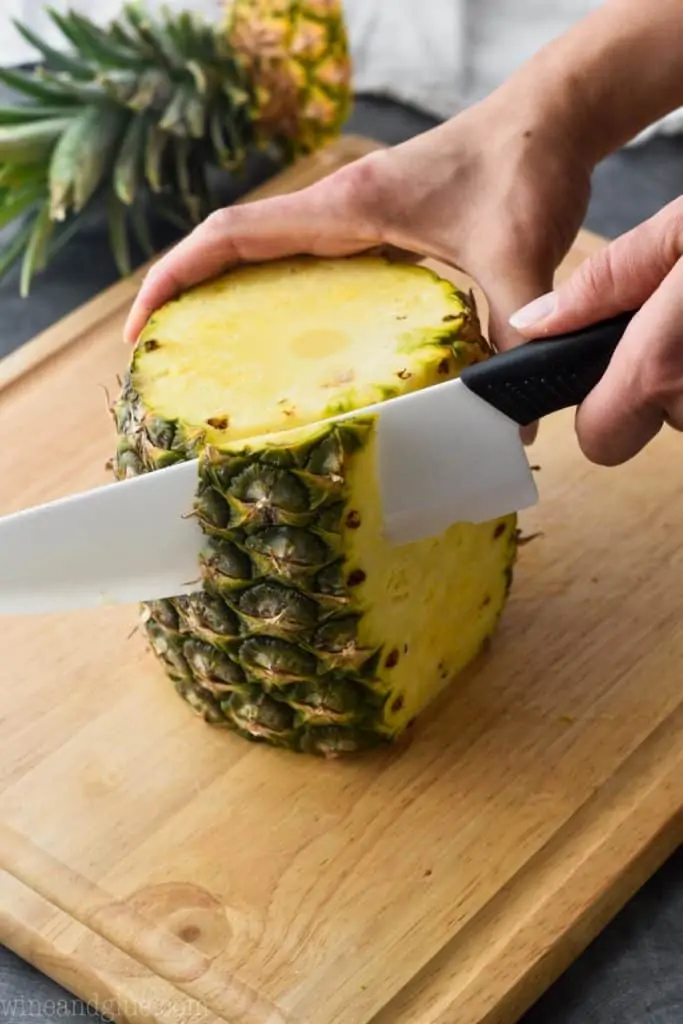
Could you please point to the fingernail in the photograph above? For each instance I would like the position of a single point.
(539, 309)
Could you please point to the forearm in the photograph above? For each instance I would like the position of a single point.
(611, 75)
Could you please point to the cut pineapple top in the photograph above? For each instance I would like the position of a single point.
(272, 347)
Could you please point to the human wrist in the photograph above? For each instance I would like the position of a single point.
(594, 88)
(533, 120)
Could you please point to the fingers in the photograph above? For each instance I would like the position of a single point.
(643, 386)
(618, 278)
(639, 391)
(324, 219)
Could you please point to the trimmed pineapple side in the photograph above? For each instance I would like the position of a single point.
(312, 632)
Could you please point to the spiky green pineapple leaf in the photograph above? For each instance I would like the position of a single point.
(31, 142)
(181, 157)
(16, 176)
(230, 147)
(35, 252)
(218, 138)
(120, 86)
(64, 23)
(61, 237)
(140, 225)
(156, 143)
(153, 90)
(118, 235)
(16, 202)
(102, 137)
(56, 58)
(82, 92)
(82, 157)
(160, 43)
(169, 212)
(22, 82)
(119, 34)
(95, 43)
(185, 115)
(128, 167)
(173, 28)
(185, 32)
(15, 249)
(33, 112)
(146, 37)
(200, 77)
(199, 38)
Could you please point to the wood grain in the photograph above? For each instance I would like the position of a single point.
(165, 870)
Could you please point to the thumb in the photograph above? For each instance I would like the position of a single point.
(617, 278)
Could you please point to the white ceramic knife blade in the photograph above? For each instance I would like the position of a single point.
(443, 455)
(447, 453)
(116, 544)
(446, 456)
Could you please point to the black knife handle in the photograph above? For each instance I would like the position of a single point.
(541, 377)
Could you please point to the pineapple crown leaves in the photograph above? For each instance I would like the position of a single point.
(138, 106)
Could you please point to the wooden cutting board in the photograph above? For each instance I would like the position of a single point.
(166, 871)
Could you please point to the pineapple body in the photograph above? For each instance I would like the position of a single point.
(311, 631)
(296, 54)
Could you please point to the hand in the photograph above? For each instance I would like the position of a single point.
(643, 386)
(493, 192)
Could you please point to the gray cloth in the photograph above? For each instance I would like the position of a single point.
(633, 973)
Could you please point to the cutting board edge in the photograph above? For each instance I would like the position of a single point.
(643, 851)
(86, 981)
(158, 953)
(586, 928)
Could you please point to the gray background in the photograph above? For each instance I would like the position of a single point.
(633, 973)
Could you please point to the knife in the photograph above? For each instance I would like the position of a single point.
(447, 453)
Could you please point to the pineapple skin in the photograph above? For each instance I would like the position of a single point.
(311, 632)
(296, 55)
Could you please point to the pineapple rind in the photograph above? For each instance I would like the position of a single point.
(296, 54)
(311, 632)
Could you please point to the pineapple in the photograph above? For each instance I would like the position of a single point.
(296, 54)
(143, 108)
(311, 631)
